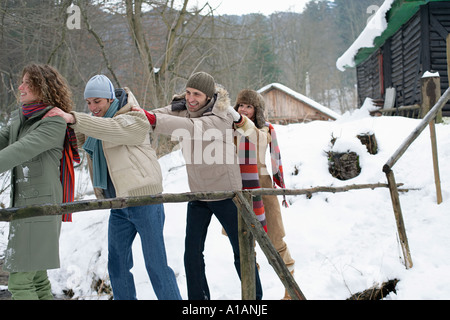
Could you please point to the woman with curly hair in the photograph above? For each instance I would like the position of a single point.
(50, 86)
(40, 153)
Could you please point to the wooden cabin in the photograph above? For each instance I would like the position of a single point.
(284, 105)
(413, 43)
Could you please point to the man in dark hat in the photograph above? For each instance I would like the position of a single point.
(201, 118)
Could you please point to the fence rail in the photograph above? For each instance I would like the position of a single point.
(118, 203)
(404, 111)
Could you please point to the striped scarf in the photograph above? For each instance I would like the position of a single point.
(29, 109)
(275, 157)
(67, 176)
(250, 178)
(69, 155)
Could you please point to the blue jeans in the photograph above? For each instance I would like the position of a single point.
(148, 221)
(199, 215)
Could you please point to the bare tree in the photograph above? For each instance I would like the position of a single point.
(99, 41)
(26, 34)
(180, 27)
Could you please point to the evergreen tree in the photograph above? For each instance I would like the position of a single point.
(262, 67)
(351, 18)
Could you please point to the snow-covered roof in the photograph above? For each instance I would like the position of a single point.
(302, 98)
(375, 27)
(385, 23)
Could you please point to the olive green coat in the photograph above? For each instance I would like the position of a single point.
(32, 150)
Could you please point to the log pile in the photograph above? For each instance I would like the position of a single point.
(345, 165)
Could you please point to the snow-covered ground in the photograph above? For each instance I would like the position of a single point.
(343, 243)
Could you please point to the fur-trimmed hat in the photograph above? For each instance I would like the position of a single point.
(255, 99)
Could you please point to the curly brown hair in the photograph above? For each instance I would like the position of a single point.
(49, 85)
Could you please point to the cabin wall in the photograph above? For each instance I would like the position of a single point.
(439, 29)
(282, 108)
(405, 64)
(396, 64)
(368, 79)
(418, 46)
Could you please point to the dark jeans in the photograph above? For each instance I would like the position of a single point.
(199, 215)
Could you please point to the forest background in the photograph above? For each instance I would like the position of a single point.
(154, 46)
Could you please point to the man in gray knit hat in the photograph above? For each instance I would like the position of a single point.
(119, 151)
(200, 116)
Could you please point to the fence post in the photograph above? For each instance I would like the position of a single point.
(434, 149)
(267, 247)
(431, 92)
(399, 218)
(247, 254)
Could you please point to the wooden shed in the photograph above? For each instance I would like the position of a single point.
(284, 105)
(413, 42)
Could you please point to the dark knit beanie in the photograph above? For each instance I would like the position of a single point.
(203, 82)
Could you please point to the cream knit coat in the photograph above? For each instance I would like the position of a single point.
(132, 162)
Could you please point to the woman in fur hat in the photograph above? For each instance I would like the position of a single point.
(250, 104)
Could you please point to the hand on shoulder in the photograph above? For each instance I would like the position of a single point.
(57, 112)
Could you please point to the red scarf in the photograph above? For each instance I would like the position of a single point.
(67, 176)
(277, 167)
(70, 154)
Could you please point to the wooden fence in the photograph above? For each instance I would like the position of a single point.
(428, 120)
(249, 227)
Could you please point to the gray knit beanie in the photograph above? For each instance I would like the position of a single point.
(99, 87)
(204, 82)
